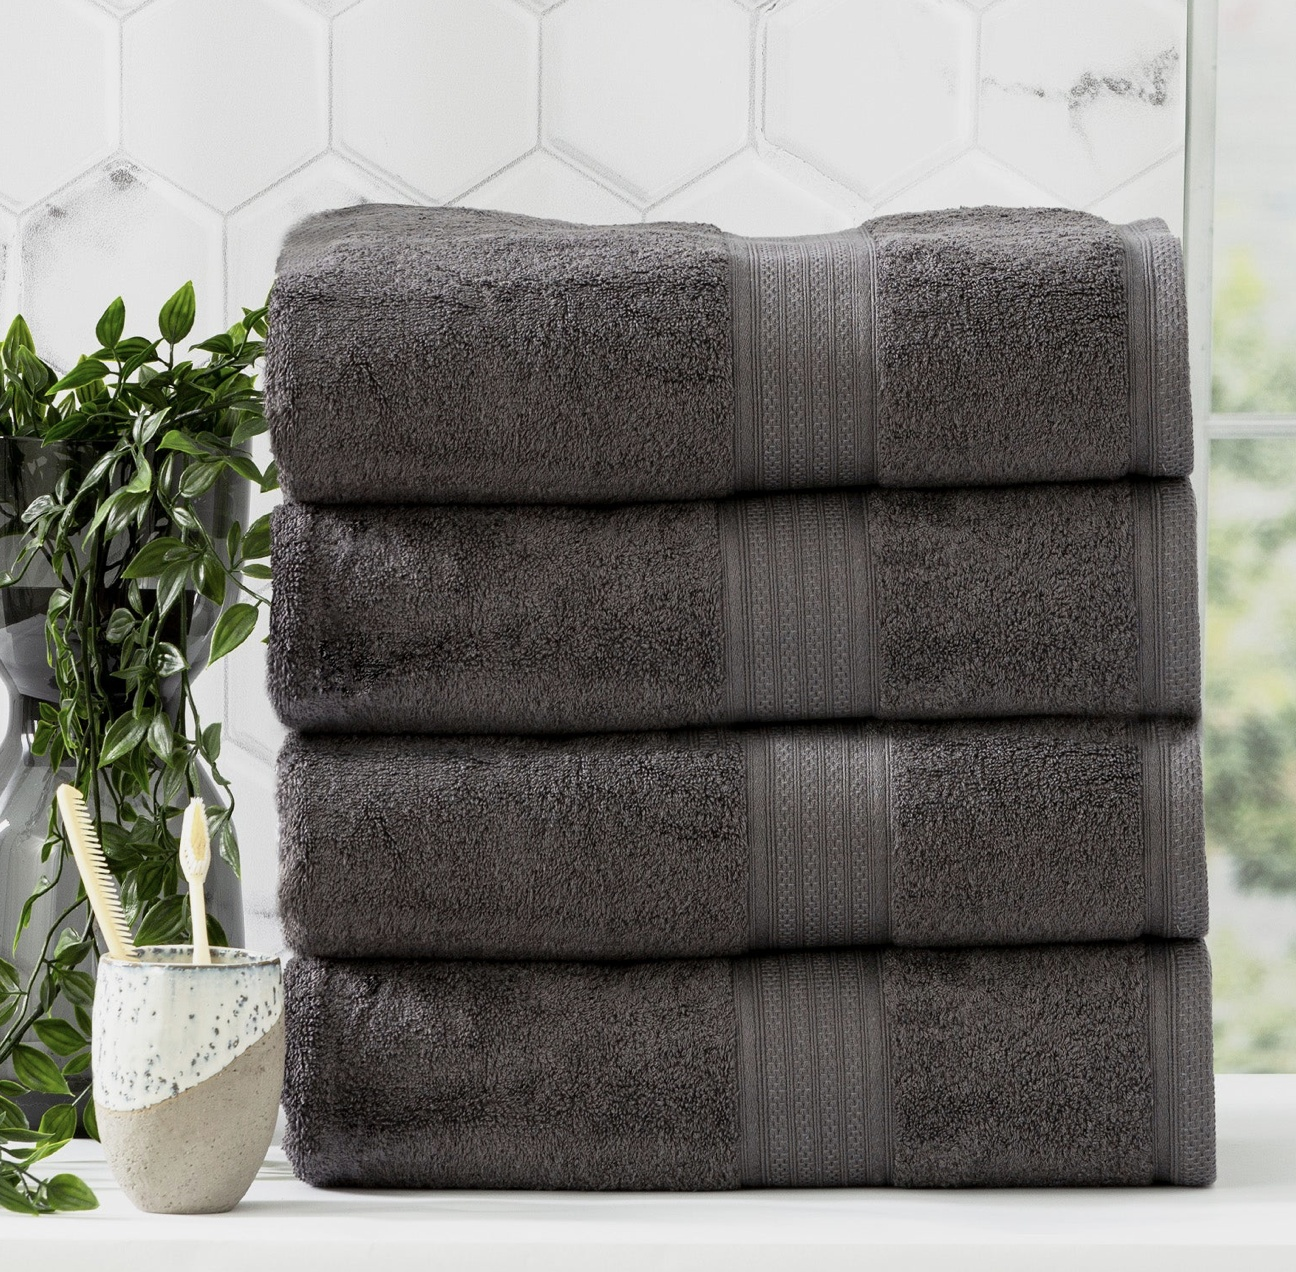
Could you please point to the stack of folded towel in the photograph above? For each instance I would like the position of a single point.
(745, 701)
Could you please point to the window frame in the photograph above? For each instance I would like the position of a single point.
(1199, 248)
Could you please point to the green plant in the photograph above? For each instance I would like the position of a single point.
(135, 567)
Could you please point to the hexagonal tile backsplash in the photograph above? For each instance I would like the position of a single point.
(150, 141)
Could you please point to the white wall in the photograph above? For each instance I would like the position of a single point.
(144, 142)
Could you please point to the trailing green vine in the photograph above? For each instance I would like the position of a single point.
(147, 585)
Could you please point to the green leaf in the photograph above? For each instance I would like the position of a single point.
(12, 1199)
(90, 1119)
(152, 558)
(100, 469)
(38, 507)
(185, 519)
(59, 1122)
(222, 344)
(21, 1135)
(232, 628)
(169, 661)
(37, 1070)
(67, 1192)
(227, 845)
(256, 542)
(34, 373)
(87, 371)
(199, 478)
(18, 336)
(8, 974)
(137, 352)
(254, 570)
(72, 953)
(121, 622)
(142, 482)
(250, 426)
(146, 429)
(177, 317)
(132, 505)
(244, 466)
(175, 790)
(78, 988)
(68, 939)
(60, 1037)
(171, 583)
(175, 440)
(215, 932)
(211, 741)
(211, 578)
(109, 328)
(161, 739)
(163, 922)
(78, 1064)
(124, 734)
(105, 509)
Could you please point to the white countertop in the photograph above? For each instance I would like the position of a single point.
(1247, 1221)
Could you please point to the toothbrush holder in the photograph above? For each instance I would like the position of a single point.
(188, 1066)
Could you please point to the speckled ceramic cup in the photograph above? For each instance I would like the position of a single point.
(188, 1066)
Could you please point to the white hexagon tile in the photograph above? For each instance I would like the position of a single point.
(437, 93)
(1082, 97)
(651, 95)
(973, 179)
(58, 94)
(873, 94)
(748, 195)
(224, 99)
(330, 8)
(255, 232)
(1157, 192)
(542, 185)
(119, 230)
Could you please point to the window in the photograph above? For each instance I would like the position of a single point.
(1250, 666)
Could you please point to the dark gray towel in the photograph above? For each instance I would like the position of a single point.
(1077, 599)
(451, 355)
(661, 845)
(1043, 1065)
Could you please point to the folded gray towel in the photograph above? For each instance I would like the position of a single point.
(1044, 1065)
(452, 355)
(668, 845)
(1076, 599)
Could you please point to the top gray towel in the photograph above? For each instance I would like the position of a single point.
(426, 355)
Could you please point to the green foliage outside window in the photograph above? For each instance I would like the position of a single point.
(1250, 695)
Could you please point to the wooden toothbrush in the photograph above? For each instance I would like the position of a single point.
(195, 857)
(100, 886)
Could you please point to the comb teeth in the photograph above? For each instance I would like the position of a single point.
(100, 886)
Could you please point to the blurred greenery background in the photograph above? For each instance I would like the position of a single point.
(1250, 670)
(1250, 692)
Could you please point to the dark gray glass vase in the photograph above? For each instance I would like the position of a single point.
(27, 784)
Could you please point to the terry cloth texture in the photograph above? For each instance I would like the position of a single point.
(1075, 599)
(1036, 1066)
(660, 845)
(454, 355)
